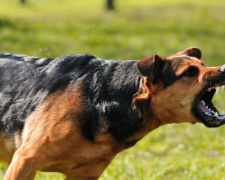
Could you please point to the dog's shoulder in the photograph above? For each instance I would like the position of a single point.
(26, 81)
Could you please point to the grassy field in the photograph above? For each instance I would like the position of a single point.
(135, 30)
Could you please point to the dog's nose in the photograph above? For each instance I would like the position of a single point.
(222, 68)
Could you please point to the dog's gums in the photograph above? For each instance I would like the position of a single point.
(206, 110)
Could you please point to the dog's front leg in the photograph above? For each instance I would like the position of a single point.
(22, 166)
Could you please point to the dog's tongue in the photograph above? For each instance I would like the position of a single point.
(203, 107)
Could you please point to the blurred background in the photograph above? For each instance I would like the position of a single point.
(130, 29)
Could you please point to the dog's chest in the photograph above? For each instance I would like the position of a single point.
(91, 168)
(84, 164)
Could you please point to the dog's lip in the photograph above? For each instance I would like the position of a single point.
(209, 117)
(219, 84)
(205, 109)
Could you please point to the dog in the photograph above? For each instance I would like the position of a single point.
(74, 113)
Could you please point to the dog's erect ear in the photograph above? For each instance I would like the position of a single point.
(192, 51)
(151, 66)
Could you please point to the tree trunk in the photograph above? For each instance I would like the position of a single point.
(110, 4)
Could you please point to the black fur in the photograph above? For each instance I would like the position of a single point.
(108, 88)
(168, 73)
(26, 81)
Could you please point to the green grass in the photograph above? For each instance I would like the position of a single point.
(135, 30)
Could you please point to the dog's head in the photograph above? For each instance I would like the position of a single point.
(180, 88)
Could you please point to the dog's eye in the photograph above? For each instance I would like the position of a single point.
(191, 72)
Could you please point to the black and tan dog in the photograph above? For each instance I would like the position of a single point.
(73, 114)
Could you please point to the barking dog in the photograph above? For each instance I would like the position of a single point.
(73, 114)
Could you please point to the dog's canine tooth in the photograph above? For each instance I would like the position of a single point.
(217, 89)
(222, 69)
(203, 102)
(216, 114)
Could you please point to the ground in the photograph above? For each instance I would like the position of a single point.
(135, 30)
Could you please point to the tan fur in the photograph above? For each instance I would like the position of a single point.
(180, 95)
(60, 141)
(7, 148)
(52, 141)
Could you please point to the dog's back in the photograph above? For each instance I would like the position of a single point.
(25, 81)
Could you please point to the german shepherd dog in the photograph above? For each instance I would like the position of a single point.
(73, 114)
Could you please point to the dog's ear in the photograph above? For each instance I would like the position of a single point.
(151, 67)
(192, 51)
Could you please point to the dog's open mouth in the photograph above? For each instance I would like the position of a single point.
(205, 108)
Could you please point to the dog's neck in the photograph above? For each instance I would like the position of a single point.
(112, 96)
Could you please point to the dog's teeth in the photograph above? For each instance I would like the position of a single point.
(217, 90)
(203, 102)
(216, 114)
(209, 109)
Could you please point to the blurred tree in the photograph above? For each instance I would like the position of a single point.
(110, 4)
(22, 1)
